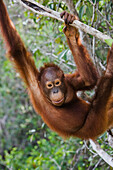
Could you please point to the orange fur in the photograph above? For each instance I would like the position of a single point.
(75, 117)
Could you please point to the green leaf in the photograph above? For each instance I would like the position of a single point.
(109, 42)
(89, 11)
(81, 11)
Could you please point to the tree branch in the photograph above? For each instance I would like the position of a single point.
(94, 5)
(41, 10)
(107, 158)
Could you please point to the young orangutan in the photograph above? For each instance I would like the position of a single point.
(53, 94)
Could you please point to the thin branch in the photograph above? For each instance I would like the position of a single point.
(58, 5)
(93, 17)
(53, 160)
(101, 14)
(107, 158)
(41, 10)
(97, 164)
(76, 157)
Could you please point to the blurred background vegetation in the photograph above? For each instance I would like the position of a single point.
(26, 143)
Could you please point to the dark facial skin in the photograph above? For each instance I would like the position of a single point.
(53, 86)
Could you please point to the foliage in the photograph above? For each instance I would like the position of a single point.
(51, 152)
(109, 41)
(26, 142)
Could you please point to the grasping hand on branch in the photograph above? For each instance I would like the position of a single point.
(41, 10)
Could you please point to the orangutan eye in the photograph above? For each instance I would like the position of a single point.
(49, 85)
(57, 82)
